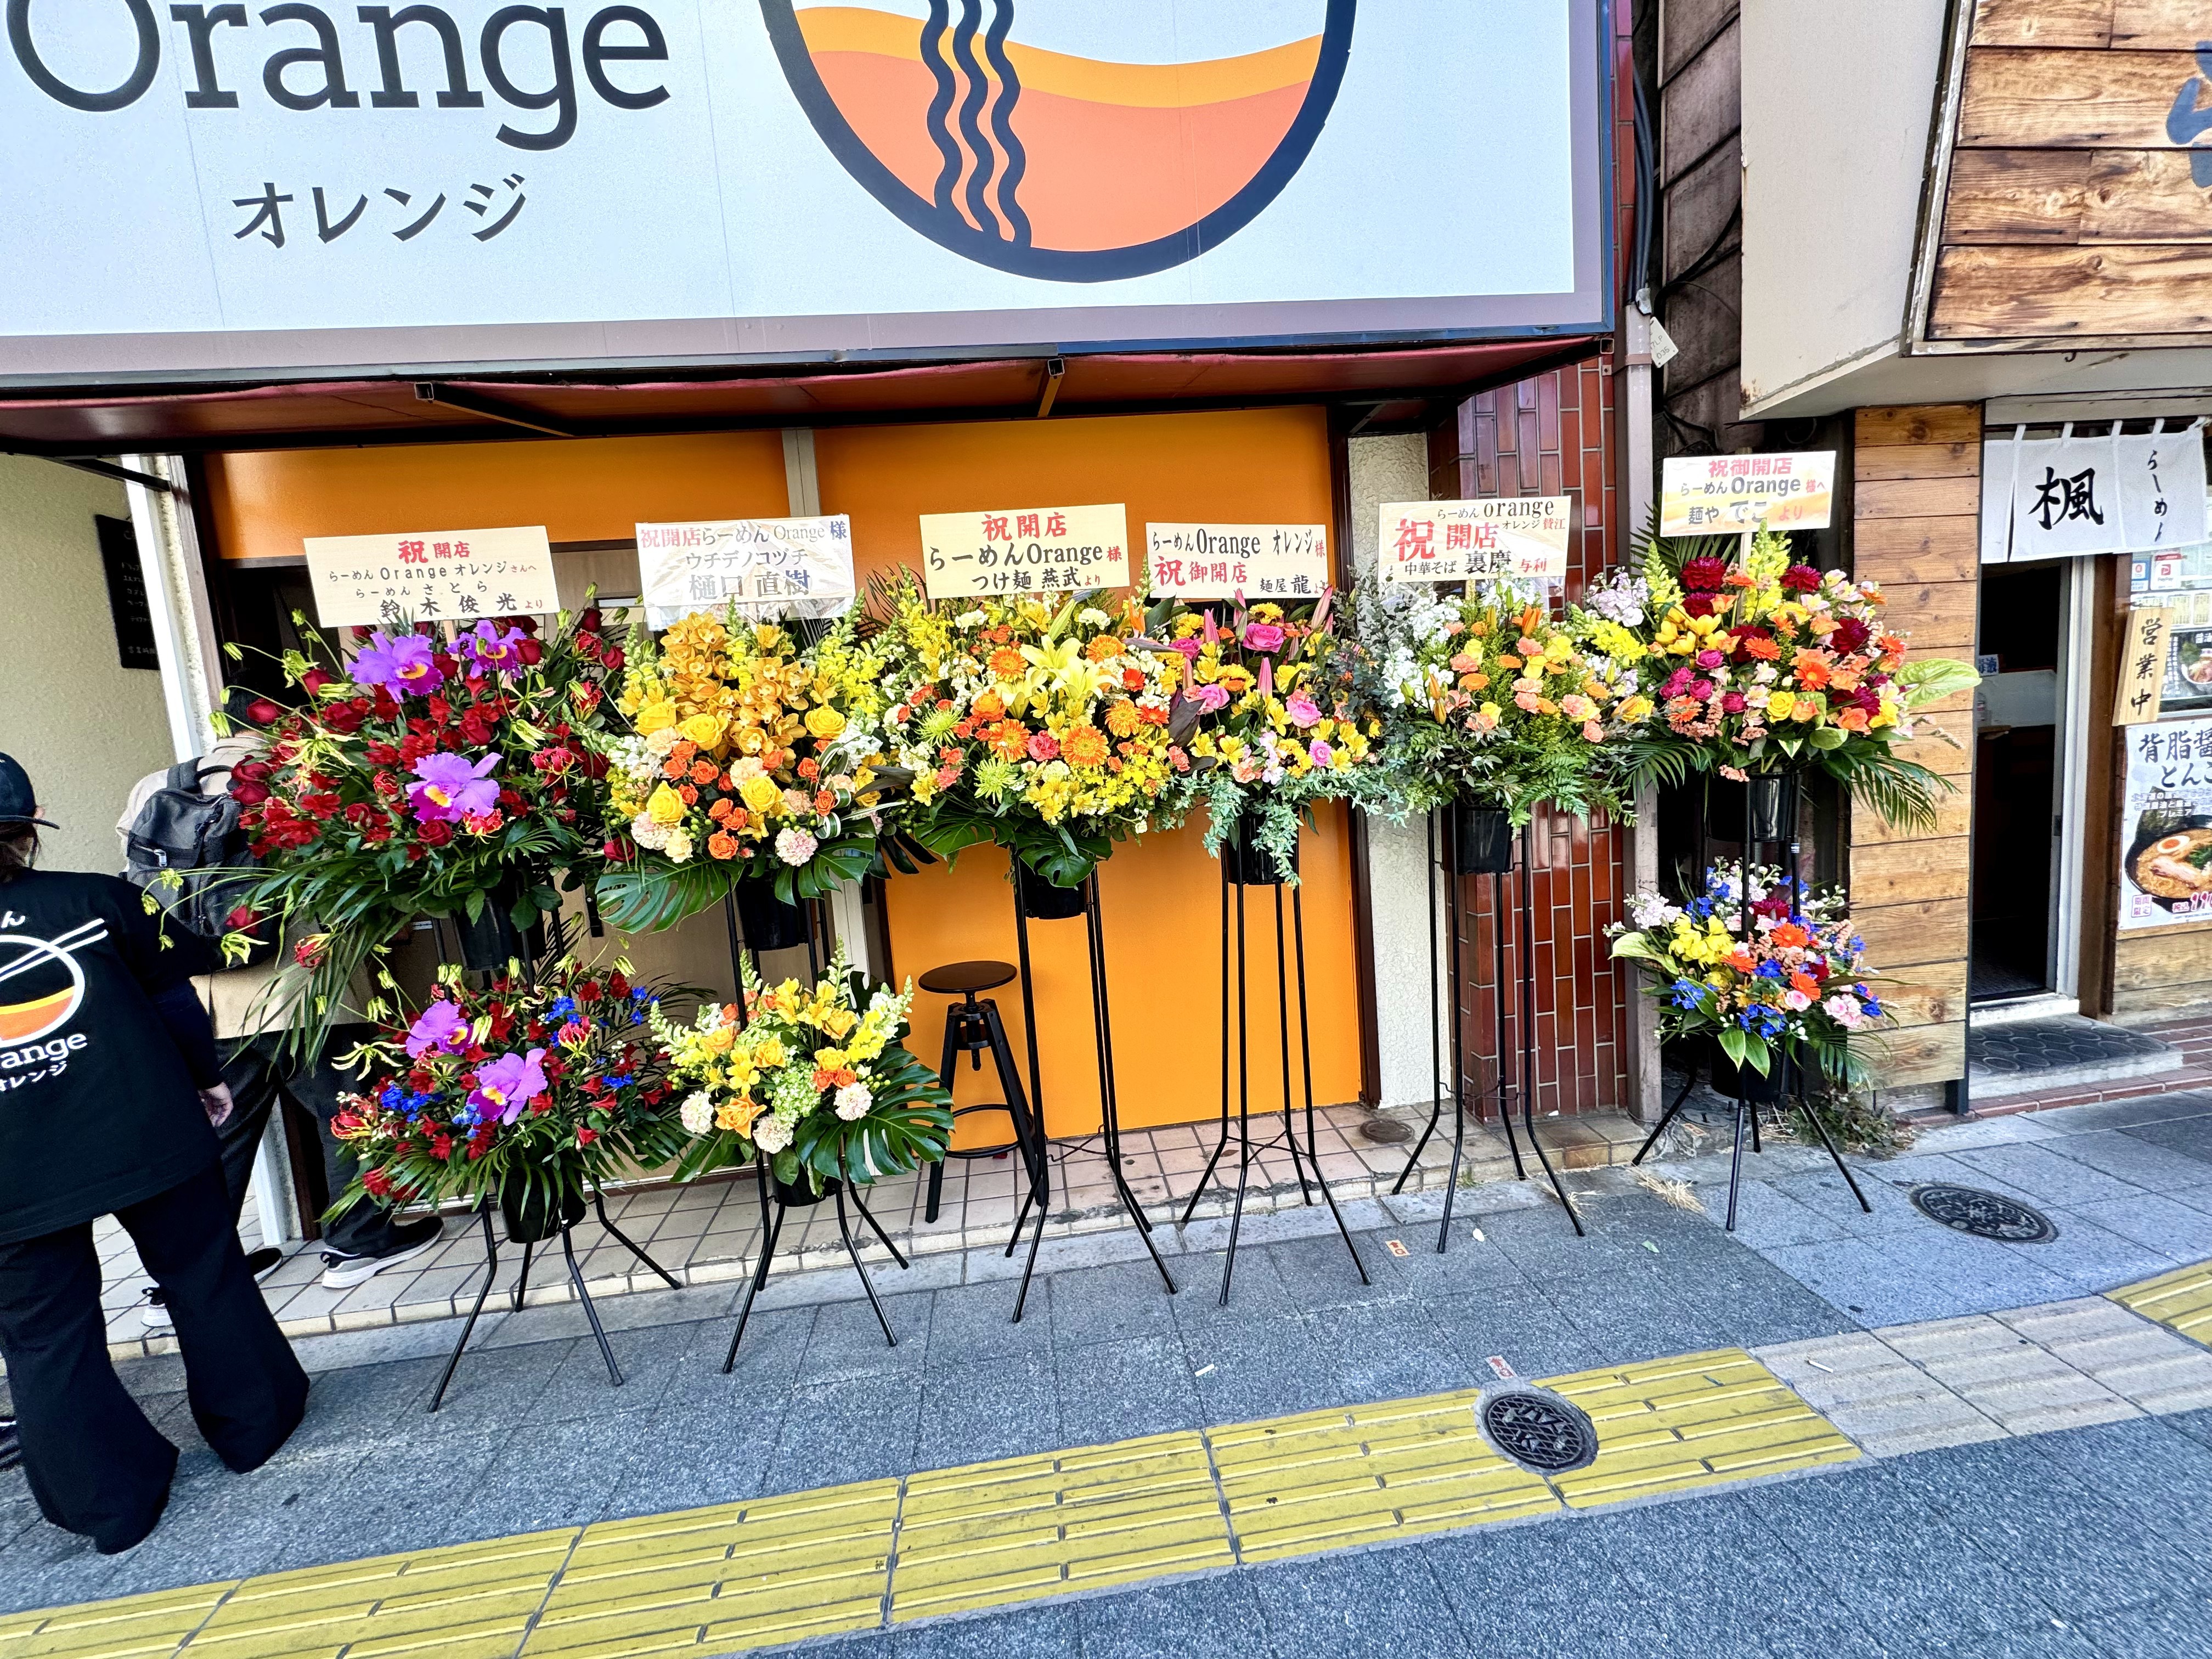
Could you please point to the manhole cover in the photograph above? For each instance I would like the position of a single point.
(1385, 1131)
(1539, 1431)
(1986, 1215)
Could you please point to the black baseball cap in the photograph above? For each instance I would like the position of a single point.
(18, 806)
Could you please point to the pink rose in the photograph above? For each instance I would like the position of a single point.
(1262, 636)
(1319, 753)
(1302, 710)
(1043, 746)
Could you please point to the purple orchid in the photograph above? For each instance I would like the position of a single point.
(507, 1085)
(399, 665)
(451, 789)
(488, 646)
(440, 1030)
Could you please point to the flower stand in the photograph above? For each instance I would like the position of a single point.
(777, 1202)
(1465, 849)
(1244, 866)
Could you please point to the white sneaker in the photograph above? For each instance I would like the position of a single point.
(341, 1272)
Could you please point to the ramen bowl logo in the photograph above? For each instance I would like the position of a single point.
(979, 132)
(40, 986)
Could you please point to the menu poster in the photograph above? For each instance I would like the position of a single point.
(1726, 495)
(1222, 561)
(1507, 536)
(1030, 549)
(770, 566)
(431, 576)
(2165, 823)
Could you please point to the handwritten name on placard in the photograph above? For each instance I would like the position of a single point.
(1725, 495)
(1221, 561)
(1030, 549)
(432, 575)
(769, 566)
(1523, 536)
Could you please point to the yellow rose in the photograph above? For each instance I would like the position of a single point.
(705, 730)
(656, 716)
(665, 806)
(760, 793)
(824, 723)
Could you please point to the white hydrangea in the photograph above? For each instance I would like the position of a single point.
(1649, 910)
(854, 1101)
(773, 1133)
(697, 1114)
(647, 834)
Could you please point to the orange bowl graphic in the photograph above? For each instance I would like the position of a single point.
(1044, 163)
(49, 975)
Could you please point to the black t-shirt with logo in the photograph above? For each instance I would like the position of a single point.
(97, 1108)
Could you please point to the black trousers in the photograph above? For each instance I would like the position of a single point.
(95, 1465)
(258, 1076)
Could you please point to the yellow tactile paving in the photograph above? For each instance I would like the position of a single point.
(1698, 1420)
(2181, 1300)
(1297, 1485)
(716, 1580)
(132, 1625)
(776, 1571)
(997, 1533)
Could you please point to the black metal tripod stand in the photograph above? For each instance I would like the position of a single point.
(1101, 1026)
(775, 1204)
(1243, 867)
(1459, 858)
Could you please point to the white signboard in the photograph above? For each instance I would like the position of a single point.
(432, 575)
(770, 566)
(1027, 549)
(241, 187)
(1728, 495)
(1518, 535)
(2166, 865)
(2103, 492)
(1224, 561)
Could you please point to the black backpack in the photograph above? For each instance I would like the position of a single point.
(183, 832)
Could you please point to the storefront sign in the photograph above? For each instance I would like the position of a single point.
(1028, 550)
(2166, 871)
(1224, 561)
(1523, 536)
(432, 575)
(2100, 492)
(2143, 668)
(241, 188)
(773, 566)
(1727, 494)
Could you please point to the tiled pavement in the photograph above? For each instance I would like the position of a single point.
(706, 1233)
(2091, 1541)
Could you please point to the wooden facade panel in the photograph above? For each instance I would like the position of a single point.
(1904, 462)
(1926, 1054)
(1917, 423)
(1954, 812)
(2070, 100)
(2042, 22)
(1919, 550)
(1952, 760)
(1932, 615)
(2061, 293)
(2158, 25)
(1907, 872)
(1933, 993)
(2074, 197)
(1953, 497)
(2146, 961)
(1900, 936)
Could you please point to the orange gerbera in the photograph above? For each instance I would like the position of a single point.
(1103, 648)
(1802, 980)
(1083, 745)
(1122, 721)
(1813, 670)
(1006, 663)
(1788, 935)
(1010, 739)
(1740, 959)
(1764, 649)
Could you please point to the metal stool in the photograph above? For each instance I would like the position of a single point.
(972, 1026)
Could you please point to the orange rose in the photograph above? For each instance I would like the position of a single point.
(990, 708)
(721, 845)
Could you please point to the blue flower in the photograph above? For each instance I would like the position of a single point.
(618, 1080)
(1688, 993)
(1769, 969)
(1701, 908)
(392, 1094)
(1760, 1020)
(1872, 1003)
(562, 1009)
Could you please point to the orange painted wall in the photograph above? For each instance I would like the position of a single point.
(587, 489)
(1160, 897)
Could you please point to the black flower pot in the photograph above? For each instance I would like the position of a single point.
(1478, 840)
(1249, 864)
(490, 941)
(1772, 798)
(797, 1194)
(770, 923)
(1042, 901)
(536, 1211)
(1768, 1090)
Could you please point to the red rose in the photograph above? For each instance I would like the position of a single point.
(313, 681)
(262, 712)
(252, 770)
(475, 727)
(344, 718)
(589, 622)
(618, 984)
(436, 833)
(587, 991)
(1705, 576)
(1800, 578)
(613, 659)
(614, 852)
(246, 792)
(530, 652)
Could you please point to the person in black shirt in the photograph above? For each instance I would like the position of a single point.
(109, 1084)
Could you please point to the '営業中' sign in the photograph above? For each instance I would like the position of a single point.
(1222, 561)
(1030, 550)
(432, 575)
(1725, 495)
(1523, 536)
(2143, 668)
(773, 566)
